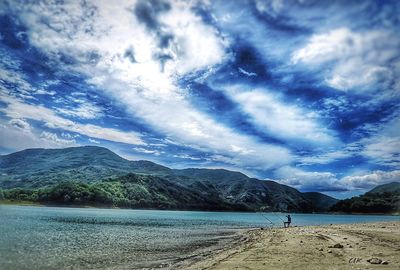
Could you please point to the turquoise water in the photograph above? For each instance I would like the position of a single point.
(83, 238)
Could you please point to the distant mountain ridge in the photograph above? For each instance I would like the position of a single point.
(392, 188)
(383, 199)
(33, 168)
(38, 168)
(320, 201)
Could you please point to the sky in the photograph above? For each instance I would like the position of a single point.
(305, 93)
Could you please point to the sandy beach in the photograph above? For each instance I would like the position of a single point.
(354, 246)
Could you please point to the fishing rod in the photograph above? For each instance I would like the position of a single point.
(260, 212)
(273, 224)
(278, 216)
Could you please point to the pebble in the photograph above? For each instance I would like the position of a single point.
(338, 245)
(374, 261)
(384, 262)
(329, 251)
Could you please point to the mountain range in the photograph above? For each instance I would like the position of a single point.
(144, 184)
(381, 199)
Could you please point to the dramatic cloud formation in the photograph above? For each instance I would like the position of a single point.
(268, 112)
(17, 110)
(360, 59)
(302, 92)
(372, 179)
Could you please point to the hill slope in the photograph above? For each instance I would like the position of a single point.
(33, 168)
(391, 188)
(131, 190)
(236, 188)
(321, 202)
(39, 168)
(381, 199)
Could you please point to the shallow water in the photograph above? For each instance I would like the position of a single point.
(87, 238)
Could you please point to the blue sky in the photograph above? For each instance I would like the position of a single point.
(302, 92)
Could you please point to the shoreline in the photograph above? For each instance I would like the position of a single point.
(309, 247)
(37, 204)
(140, 240)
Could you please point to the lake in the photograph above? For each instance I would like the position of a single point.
(88, 238)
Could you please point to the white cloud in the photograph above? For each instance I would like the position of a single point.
(325, 158)
(250, 74)
(383, 146)
(148, 151)
(53, 137)
(24, 89)
(175, 117)
(361, 59)
(93, 141)
(185, 156)
(10, 74)
(196, 45)
(13, 139)
(21, 124)
(17, 109)
(273, 6)
(82, 111)
(370, 180)
(328, 182)
(304, 180)
(143, 88)
(280, 119)
(69, 135)
(383, 150)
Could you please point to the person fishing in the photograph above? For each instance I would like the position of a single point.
(286, 224)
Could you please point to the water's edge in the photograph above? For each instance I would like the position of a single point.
(91, 238)
(37, 204)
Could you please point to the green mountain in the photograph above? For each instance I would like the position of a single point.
(237, 188)
(381, 199)
(33, 173)
(34, 168)
(130, 191)
(391, 188)
(321, 202)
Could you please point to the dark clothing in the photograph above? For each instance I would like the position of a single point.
(287, 223)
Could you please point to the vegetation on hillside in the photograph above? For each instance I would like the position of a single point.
(321, 202)
(382, 199)
(97, 176)
(130, 191)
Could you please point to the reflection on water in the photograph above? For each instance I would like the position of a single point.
(78, 238)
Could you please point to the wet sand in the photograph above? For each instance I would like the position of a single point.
(347, 246)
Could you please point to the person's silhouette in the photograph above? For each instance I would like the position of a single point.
(286, 224)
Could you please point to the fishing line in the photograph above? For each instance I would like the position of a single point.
(266, 218)
(278, 216)
(261, 214)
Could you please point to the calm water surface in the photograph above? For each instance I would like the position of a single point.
(83, 238)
